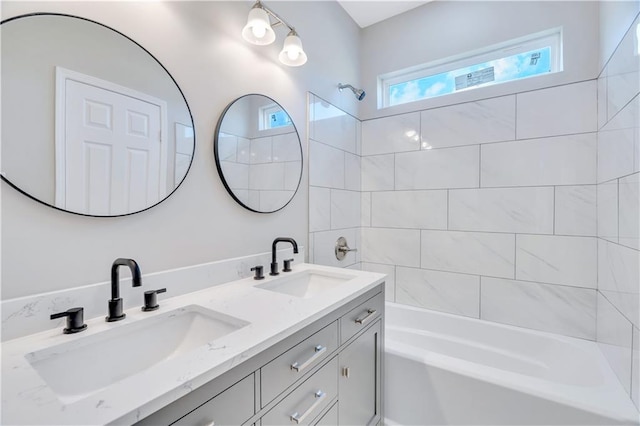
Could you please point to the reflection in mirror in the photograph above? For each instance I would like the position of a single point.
(91, 123)
(258, 153)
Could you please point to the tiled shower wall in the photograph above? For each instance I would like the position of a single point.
(488, 209)
(618, 212)
(334, 183)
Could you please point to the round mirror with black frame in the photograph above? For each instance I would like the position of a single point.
(258, 153)
(92, 123)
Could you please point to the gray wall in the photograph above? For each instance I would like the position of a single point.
(200, 44)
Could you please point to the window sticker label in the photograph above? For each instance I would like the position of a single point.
(475, 78)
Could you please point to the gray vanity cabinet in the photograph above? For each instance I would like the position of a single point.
(328, 373)
(359, 383)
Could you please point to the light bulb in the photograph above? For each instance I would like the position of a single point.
(293, 54)
(259, 31)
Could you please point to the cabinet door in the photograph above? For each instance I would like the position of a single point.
(360, 374)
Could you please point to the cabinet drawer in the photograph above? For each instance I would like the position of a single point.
(307, 400)
(234, 406)
(284, 370)
(330, 418)
(361, 316)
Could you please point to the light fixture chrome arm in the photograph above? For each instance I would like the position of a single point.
(278, 18)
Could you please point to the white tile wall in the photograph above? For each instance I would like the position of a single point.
(489, 120)
(560, 309)
(227, 147)
(608, 210)
(477, 253)
(440, 291)
(438, 168)
(326, 166)
(561, 160)
(387, 135)
(390, 281)
(409, 209)
(332, 126)
(345, 209)
(319, 209)
(378, 172)
(324, 244)
(635, 368)
(527, 210)
(575, 210)
(557, 260)
(261, 150)
(629, 216)
(292, 174)
(618, 268)
(627, 303)
(235, 174)
(602, 99)
(558, 110)
(365, 208)
(391, 246)
(268, 176)
(615, 153)
(615, 340)
(286, 147)
(351, 172)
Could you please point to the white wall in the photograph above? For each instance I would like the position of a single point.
(200, 44)
(618, 175)
(441, 29)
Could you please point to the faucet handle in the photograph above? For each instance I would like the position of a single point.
(259, 272)
(75, 320)
(287, 265)
(151, 299)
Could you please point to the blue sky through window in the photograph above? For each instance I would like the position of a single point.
(279, 119)
(513, 67)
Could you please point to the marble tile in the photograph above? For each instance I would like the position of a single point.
(326, 166)
(627, 303)
(365, 209)
(441, 291)
(391, 246)
(488, 120)
(268, 176)
(635, 368)
(618, 268)
(358, 137)
(319, 209)
(292, 175)
(629, 211)
(271, 201)
(562, 160)
(311, 251)
(553, 259)
(615, 333)
(227, 147)
(570, 311)
(526, 210)
(377, 173)
(621, 88)
(345, 209)
(252, 198)
(576, 210)
(608, 210)
(602, 99)
(352, 172)
(409, 209)
(286, 147)
(438, 168)
(398, 133)
(324, 246)
(235, 175)
(243, 154)
(561, 110)
(332, 126)
(469, 252)
(390, 281)
(616, 150)
(261, 150)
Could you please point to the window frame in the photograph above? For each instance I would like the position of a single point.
(264, 117)
(550, 38)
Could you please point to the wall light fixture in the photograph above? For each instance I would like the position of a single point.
(259, 30)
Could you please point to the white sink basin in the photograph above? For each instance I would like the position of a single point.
(306, 284)
(79, 368)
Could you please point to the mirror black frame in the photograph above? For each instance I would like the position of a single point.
(219, 165)
(11, 184)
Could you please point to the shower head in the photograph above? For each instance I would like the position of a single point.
(360, 94)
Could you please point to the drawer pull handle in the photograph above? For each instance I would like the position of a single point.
(209, 423)
(369, 314)
(320, 396)
(319, 350)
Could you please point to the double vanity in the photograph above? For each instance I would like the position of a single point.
(302, 347)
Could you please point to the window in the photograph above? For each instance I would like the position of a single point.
(533, 55)
(272, 117)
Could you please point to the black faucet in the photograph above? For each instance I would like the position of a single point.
(115, 304)
(274, 264)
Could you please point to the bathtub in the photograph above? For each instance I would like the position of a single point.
(443, 369)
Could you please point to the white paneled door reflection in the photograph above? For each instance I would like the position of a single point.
(112, 158)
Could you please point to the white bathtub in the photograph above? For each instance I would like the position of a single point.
(445, 369)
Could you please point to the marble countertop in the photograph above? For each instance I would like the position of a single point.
(272, 316)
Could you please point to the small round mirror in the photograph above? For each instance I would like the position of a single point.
(92, 123)
(258, 153)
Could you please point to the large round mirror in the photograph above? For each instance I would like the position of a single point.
(258, 153)
(92, 123)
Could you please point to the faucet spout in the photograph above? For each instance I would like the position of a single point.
(274, 263)
(115, 304)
